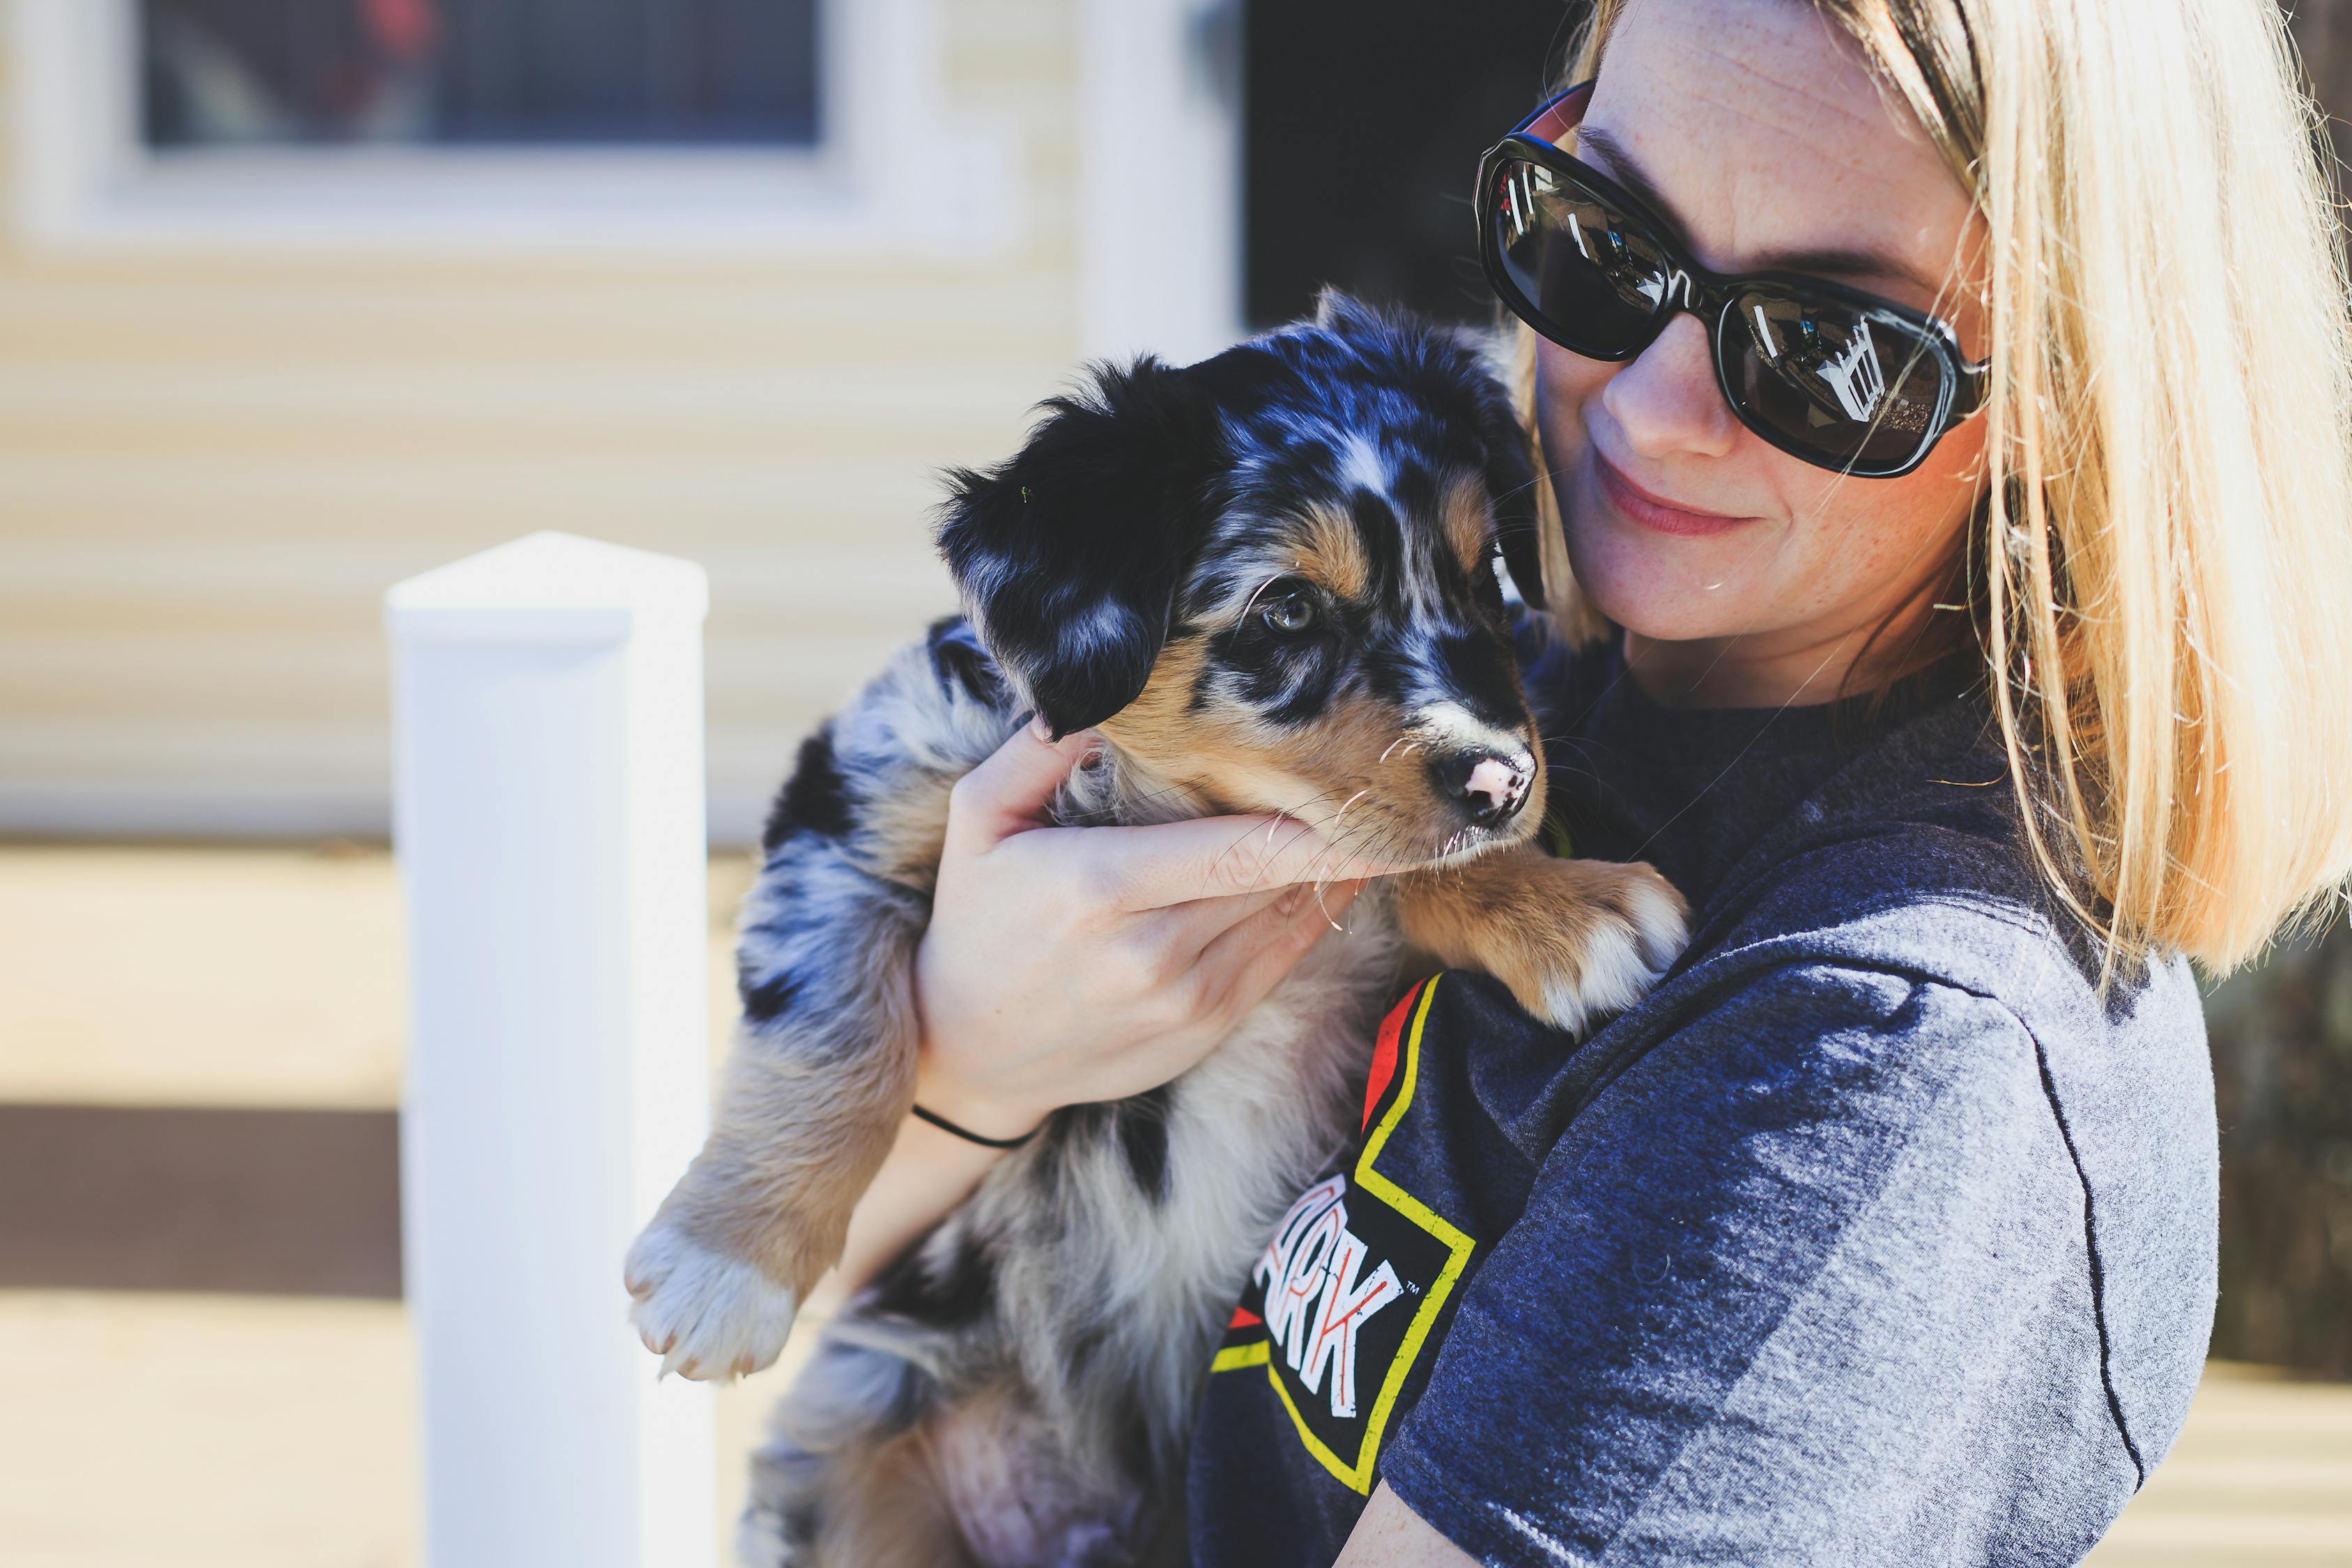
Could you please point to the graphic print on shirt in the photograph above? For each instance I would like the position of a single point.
(1350, 1287)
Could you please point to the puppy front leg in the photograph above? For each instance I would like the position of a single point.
(1572, 939)
(823, 1065)
(812, 1102)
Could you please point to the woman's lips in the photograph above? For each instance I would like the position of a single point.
(1638, 505)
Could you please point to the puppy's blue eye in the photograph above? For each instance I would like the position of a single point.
(1287, 611)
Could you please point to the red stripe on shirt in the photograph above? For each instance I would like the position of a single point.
(1384, 1054)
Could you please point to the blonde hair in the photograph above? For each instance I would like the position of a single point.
(2162, 564)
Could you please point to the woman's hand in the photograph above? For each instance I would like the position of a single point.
(1068, 964)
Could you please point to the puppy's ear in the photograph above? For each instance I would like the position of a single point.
(1505, 460)
(1511, 481)
(1464, 382)
(1341, 314)
(1069, 555)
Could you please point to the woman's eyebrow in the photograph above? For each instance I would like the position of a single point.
(1862, 265)
(1619, 166)
(1598, 147)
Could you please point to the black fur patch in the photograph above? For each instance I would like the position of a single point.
(955, 1296)
(815, 799)
(767, 1000)
(960, 662)
(1131, 1448)
(1142, 1128)
(799, 1525)
(1384, 541)
(1069, 555)
(1480, 670)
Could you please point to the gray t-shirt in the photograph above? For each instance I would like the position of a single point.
(1871, 1237)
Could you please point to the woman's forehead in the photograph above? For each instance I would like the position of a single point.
(1763, 135)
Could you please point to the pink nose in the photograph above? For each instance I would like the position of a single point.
(1495, 779)
(1490, 789)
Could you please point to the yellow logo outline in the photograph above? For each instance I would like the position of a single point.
(1358, 1475)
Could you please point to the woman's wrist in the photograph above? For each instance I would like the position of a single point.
(969, 1108)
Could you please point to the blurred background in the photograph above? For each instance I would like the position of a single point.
(299, 298)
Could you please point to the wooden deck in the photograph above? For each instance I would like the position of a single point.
(140, 1429)
(241, 1432)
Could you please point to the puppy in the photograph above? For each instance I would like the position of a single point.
(1270, 581)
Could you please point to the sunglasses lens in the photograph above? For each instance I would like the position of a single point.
(1844, 386)
(1583, 274)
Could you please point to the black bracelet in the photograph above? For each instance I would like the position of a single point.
(944, 1125)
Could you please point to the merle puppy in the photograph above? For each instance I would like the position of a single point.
(1269, 579)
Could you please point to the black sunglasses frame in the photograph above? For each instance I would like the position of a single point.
(1961, 386)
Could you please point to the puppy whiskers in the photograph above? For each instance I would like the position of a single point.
(1252, 604)
(1288, 814)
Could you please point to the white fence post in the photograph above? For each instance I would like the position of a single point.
(549, 817)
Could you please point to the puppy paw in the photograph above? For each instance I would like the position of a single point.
(706, 1314)
(1577, 939)
(1634, 930)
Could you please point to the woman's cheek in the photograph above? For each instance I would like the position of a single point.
(1563, 382)
(1883, 541)
(1663, 588)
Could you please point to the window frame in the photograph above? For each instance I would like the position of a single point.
(82, 174)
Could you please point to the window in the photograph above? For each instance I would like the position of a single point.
(505, 72)
(607, 124)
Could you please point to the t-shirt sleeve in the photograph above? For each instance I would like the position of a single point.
(1760, 1288)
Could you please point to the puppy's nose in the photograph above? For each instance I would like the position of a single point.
(1490, 787)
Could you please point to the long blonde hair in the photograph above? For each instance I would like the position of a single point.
(2161, 565)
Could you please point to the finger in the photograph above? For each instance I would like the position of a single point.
(1187, 929)
(1250, 960)
(1008, 793)
(1217, 857)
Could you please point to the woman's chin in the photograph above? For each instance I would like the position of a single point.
(1669, 595)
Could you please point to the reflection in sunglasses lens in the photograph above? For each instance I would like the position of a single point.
(1852, 386)
(1596, 279)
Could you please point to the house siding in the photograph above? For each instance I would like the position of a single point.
(213, 459)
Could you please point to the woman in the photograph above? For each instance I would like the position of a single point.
(1886, 1229)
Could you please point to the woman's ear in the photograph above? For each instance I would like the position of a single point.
(1069, 555)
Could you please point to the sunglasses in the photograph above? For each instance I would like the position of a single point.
(1835, 376)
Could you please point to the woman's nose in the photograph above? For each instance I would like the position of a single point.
(1666, 399)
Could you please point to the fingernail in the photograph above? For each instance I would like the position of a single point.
(1039, 727)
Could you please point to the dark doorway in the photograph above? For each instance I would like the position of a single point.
(1364, 123)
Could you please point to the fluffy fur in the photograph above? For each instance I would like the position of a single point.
(1270, 579)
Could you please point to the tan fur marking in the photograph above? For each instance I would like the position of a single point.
(1469, 524)
(1331, 554)
(885, 1508)
(909, 828)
